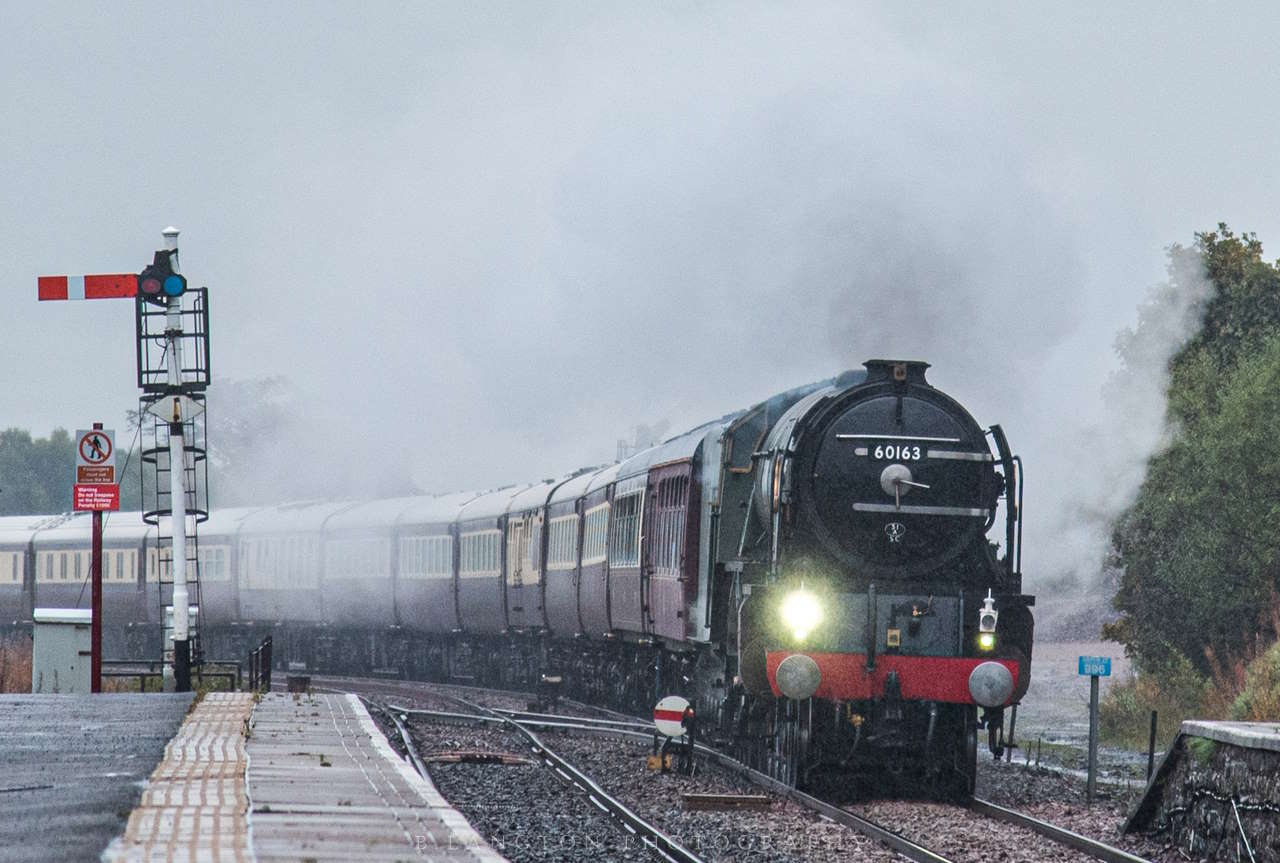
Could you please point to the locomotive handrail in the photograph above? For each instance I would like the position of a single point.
(1018, 461)
(1013, 510)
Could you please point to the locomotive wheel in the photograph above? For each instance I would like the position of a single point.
(956, 757)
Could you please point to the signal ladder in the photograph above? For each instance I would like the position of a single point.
(158, 511)
(155, 379)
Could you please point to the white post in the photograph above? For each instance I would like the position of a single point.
(177, 486)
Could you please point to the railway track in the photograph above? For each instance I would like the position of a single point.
(1070, 845)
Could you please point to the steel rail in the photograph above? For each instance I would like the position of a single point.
(1092, 847)
(898, 843)
(657, 841)
(894, 841)
(521, 715)
(408, 744)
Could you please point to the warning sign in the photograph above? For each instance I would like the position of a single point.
(669, 716)
(95, 497)
(95, 457)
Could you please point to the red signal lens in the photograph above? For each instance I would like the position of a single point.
(150, 285)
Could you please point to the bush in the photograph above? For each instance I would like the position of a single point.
(15, 663)
(1260, 699)
(1175, 691)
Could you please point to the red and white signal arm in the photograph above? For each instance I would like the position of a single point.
(668, 716)
(98, 287)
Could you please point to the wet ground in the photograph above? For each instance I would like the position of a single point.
(1055, 711)
(72, 768)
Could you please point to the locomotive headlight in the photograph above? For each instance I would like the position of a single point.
(801, 613)
(986, 641)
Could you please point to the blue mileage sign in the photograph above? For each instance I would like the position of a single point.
(1095, 666)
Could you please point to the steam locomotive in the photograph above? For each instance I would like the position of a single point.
(814, 573)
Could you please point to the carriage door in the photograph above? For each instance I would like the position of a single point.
(666, 548)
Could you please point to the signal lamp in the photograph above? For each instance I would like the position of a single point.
(158, 282)
(801, 613)
(987, 615)
(987, 618)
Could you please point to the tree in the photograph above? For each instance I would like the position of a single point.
(35, 474)
(1198, 548)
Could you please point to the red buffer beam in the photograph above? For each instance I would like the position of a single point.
(97, 287)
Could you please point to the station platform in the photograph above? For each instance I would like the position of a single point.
(290, 777)
(1219, 782)
(72, 767)
(1247, 735)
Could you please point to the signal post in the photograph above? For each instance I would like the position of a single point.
(173, 394)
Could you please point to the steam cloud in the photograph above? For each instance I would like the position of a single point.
(636, 221)
(486, 242)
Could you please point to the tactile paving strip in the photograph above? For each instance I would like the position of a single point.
(195, 805)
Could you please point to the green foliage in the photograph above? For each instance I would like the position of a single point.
(1260, 700)
(1202, 749)
(1176, 692)
(1198, 548)
(35, 474)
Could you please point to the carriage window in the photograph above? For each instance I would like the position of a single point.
(563, 542)
(597, 530)
(624, 546)
(669, 523)
(480, 551)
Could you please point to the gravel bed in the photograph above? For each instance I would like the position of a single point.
(526, 812)
(786, 833)
(964, 837)
(1060, 798)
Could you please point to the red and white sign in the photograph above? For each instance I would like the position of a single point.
(95, 457)
(89, 497)
(668, 716)
(97, 287)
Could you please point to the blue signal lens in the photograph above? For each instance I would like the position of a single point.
(174, 285)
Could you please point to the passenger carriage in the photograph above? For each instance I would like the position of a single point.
(526, 516)
(562, 568)
(357, 588)
(217, 541)
(481, 529)
(16, 574)
(425, 584)
(654, 538)
(593, 583)
(281, 559)
(61, 549)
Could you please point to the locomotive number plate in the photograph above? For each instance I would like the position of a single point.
(897, 452)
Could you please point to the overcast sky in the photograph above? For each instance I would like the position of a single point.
(490, 239)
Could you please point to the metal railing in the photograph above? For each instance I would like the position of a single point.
(260, 666)
(145, 671)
